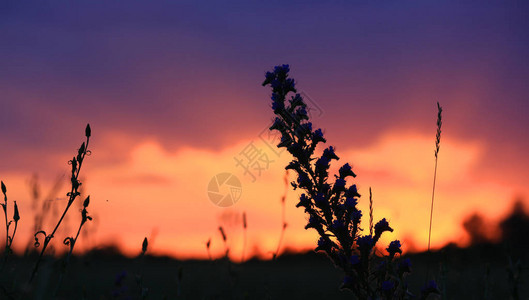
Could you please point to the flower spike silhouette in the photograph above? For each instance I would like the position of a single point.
(332, 205)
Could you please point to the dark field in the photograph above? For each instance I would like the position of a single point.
(461, 274)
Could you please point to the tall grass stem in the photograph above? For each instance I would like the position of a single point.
(437, 145)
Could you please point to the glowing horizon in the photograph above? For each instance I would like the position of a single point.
(162, 195)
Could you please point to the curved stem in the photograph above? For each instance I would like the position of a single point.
(73, 195)
(14, 232)
(67, 259)
(7, 224)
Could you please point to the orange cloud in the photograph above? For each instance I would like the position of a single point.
(150, 189)
(400, 168)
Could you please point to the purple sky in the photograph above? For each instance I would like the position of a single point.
(189, 73)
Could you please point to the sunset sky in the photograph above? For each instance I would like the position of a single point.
(172, 91)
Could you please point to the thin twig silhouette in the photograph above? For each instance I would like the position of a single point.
(76, 163)
(437, 144)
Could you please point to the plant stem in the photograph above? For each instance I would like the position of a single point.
(437, 145)
(431, 208)
(244, 225)
(73, 195)
(67, 259)
(283, 218)
(370, 212)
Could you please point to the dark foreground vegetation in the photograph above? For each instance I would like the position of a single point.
(491, 268)
(478, 272)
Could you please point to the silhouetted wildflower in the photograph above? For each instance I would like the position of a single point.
(301, 114)
(394, 247)
(317, 137)
(339, 185)
(381, 227)
(350, 203)
(337, 225)
(304, 181)
(322, 165)
(346, 170)
(303, 201)
(365, 244)
(332, 206)
(324, 244)
(320, 200)
(329, 152)
(278, 106)
(352, 192)
(356, 216)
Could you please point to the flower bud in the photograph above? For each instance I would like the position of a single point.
(16, 216)
(303, 201)
(346, 170)
(393, 248)
(382, 226)
(144, 246)
(329, 152)
(317, 136)
(88, 131)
